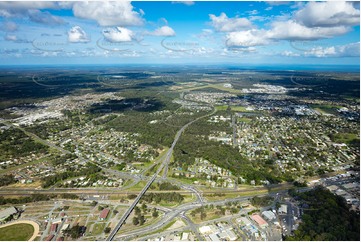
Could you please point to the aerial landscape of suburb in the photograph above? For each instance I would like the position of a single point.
(179, 121)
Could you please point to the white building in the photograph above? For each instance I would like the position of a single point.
(205, 230)
(185, 237)
(283, 209)
(269, 215)
(4, 214)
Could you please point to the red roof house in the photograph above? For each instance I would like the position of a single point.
(104, 214)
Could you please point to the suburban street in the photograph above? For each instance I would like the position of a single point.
(164, 165)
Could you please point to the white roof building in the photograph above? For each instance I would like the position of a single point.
(185, 236)
(269, 215)
(283, 208)
(244, 221)
(205, 230)
(213, 237)
(4, 214)
(231, 235)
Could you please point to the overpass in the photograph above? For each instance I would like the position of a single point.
(164, 165)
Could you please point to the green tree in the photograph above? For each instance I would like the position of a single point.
(135, 221)
(155, 213)
(137, 211)
(73, 232)
(141, 220)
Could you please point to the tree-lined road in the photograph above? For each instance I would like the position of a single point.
(164, 165)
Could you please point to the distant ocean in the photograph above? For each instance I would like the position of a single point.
(261, 67)
(334, 68)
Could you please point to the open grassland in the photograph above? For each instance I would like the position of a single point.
(16, 232)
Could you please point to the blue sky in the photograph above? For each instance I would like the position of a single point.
(255, 33)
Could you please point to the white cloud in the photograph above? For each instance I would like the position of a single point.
(253, 12)
(188, 3)
(18, 5)
(269, 8)
(258, 18)
(38, 16)
(163, 21)
(206, 33)
(66, 5)
(328, 14)
(6, 14)
(28, 9)
(163, 31)
(314, 21)
(290, 54)
(9, 27)
(321, 52)
(10, 37)
(224, 24)
(31, 10)
(118, 34)
(208, 37)
(277, 3)
(290, 30)
(77, 35)
(349, 50)
(16, 39)
(244, 50)
(119, 13)
(352, 49)
(247, 38)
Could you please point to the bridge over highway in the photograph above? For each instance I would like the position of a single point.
(164, 165)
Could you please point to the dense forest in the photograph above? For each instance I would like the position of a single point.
(15, 143)
(35, 198)
(194, 143)
(7, 180)
(166, 197)
(156, 134)
(326, 217)
(164, 186)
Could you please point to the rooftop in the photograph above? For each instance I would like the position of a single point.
(7, 212)
(260, 221)
(104, 213)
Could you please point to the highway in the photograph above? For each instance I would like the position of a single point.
(164, 162)
(130, 209)
(164, 165)
(182, 209)
(187, 189)
(178, 211)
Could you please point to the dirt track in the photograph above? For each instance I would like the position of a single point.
(35, 225)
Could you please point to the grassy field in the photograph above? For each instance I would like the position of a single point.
(137, 187)
(215, 86)
(211, 214)
(233, 108)
(323, 108)
(16, 232)
(244, 119)
(98, 228)
(345, 138)
(166, 227)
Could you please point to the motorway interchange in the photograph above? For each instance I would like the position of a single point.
(159, 175)
(163, 166)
